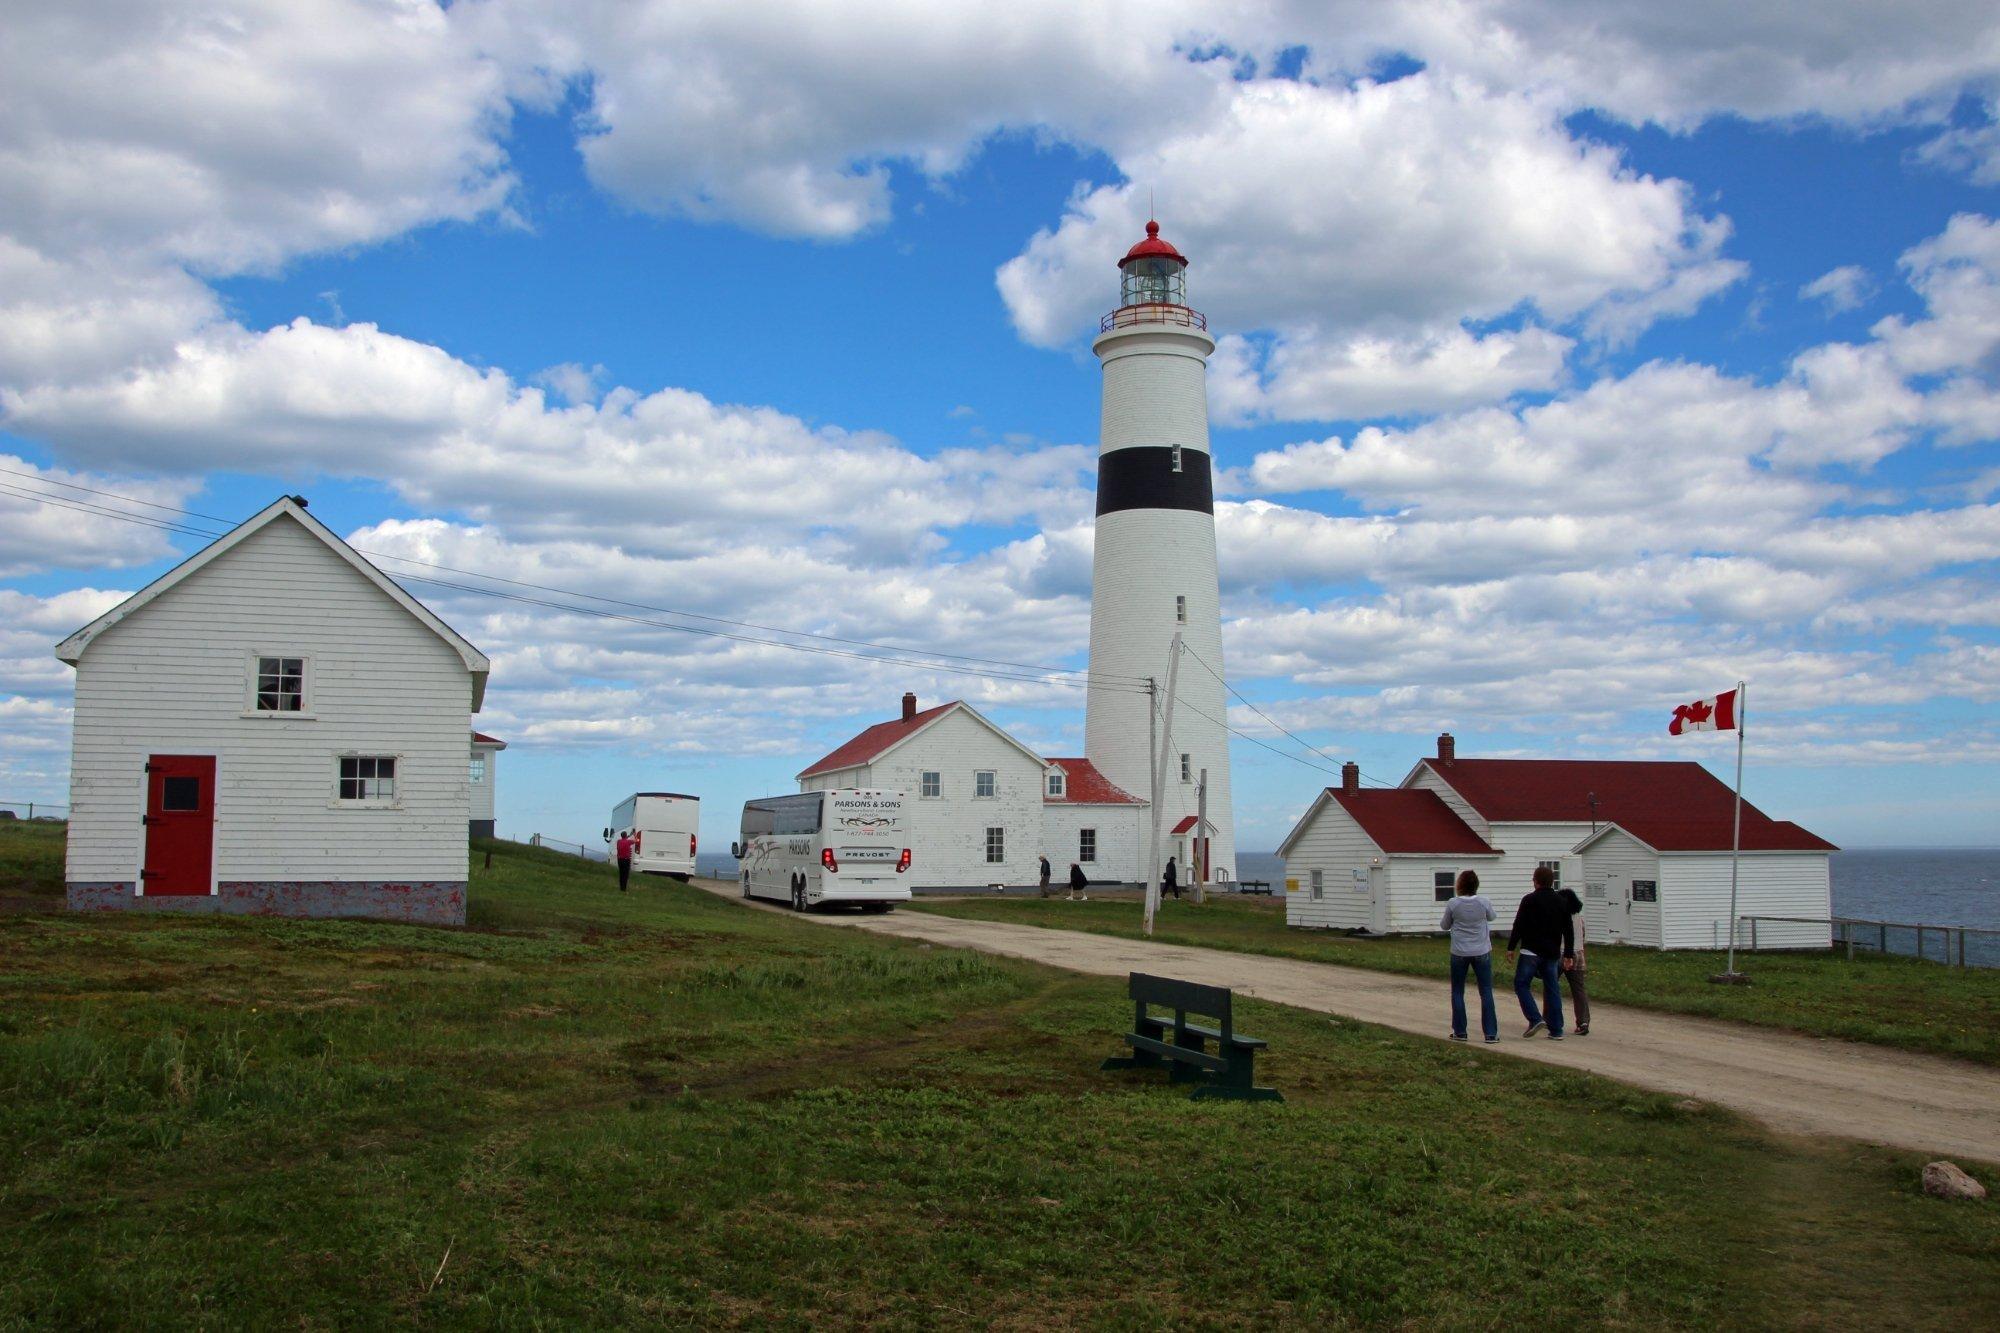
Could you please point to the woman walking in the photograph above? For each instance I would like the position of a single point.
(1469, 918)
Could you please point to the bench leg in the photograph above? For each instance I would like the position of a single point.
(1237, 1083)
(1182, 1073)
(1145, 1027)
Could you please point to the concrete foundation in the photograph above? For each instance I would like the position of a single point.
(428, 902)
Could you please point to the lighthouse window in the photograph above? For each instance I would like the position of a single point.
(1180, 609)
(1187, 770)
(1177, 458)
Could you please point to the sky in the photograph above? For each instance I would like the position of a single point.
(1569, 368)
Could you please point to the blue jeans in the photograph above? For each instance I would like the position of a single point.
(1481, 966)
(1549, 970)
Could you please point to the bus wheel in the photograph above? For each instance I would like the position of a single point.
(746, 884)
(799, 895)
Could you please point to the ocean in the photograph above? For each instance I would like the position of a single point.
(1930, 886)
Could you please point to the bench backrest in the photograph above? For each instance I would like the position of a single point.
(1188, 996)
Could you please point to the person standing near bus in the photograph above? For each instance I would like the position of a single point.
(626, 842)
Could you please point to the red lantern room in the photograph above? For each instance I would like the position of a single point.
(1153, 285)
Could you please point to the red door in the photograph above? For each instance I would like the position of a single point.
(180, 824)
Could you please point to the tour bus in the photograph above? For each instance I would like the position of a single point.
(664, 826)
(818, 847)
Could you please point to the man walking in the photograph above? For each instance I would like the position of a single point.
(1170, 882)
(1546, 940)
(1579, 999)
(626, 842)
(1046, 873)
(1077, 883)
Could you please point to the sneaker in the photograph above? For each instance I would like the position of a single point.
(1084, 899)
(1492, 1041)
(1555, 1036)
(1533, 1028)
(1583, 1029)
(1458, 1036)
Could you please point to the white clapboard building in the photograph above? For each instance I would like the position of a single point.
(1646, 844)
(483, 775)
(272, 727)
(980, 807)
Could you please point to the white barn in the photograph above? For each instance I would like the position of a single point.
(1618, 831)
(482, 772)
(982, 807)
(272, 727)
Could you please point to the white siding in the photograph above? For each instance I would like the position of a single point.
(174, 678)
(1613, 861)
(1694, 896)
(1522, 848)
(482, 792)
(1121, 833)
(948, 832)
(1413, 902)
(1333, 844)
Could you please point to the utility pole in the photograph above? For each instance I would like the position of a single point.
(1159, 775)
(1201, 840)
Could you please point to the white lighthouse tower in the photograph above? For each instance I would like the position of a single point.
(1153, 572)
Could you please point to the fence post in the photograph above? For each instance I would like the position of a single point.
(1881, 937)
(1753, 934)
(1847, 938)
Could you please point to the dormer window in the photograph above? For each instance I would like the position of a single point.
(1057, 783)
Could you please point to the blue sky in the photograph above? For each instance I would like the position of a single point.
(1562, 378)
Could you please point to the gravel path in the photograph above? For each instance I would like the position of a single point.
(1806, 1085)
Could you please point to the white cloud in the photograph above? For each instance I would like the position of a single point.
(62, 531)
(1843, 288)
(1305, 378)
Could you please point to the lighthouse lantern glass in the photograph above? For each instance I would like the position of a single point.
(1155, 281)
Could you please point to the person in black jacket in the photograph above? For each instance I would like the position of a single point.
(1545, 935)
(1170, 882)
(1046, 890)
(1077, 884)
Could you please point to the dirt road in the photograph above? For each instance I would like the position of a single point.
(1801, 1084)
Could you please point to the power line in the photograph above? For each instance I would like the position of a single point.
(1268, 718)
(891, 654)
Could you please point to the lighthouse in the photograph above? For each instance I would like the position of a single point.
(1153, 572)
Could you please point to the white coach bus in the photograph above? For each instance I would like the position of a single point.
(846, 846)
(665, 828)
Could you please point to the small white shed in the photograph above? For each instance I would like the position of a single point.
(1377, 859)
(272, 727)
(482, 772)
(1666, 885)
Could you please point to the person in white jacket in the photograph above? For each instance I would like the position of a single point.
(1469, 918)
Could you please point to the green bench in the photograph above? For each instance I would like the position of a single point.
(1181, 1047)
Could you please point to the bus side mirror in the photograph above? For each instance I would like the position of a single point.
(736, 850)
(607, 835)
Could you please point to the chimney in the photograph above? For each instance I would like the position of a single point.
(1447, 748)
(1350, 776)
(909, 707)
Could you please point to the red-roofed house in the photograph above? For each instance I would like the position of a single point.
(481, 771)
(1645, 844)
(981, 807)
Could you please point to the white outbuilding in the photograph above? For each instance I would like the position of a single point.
(272, 727)
(981, 807)
(1646, 844)
(482, 774)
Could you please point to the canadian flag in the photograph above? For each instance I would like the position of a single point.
(1717, 714)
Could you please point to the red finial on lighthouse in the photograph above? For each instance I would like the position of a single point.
(1153, 248)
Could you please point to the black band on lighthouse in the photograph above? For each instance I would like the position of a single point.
(1143, 477)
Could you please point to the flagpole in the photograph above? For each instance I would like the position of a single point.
(1736, 833)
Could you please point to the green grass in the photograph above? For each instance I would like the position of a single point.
(1890, 1001)
(595, 1109)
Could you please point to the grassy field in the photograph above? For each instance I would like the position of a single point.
(595, 1109)
(1890, 1001)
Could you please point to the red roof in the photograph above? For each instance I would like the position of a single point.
(1679, 807)
(481, 738)
(1403, 819)
(872, 742)
(1084, 785)
(1152, 246)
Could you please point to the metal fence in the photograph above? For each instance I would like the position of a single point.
(571, 848)
(1956, 946)
(36, 809)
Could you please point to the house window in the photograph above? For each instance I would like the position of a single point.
(1444, 885)
(996, 846)
(1318, 883)
(1187, 770)
(281, 684)
(985, 783)
(1554, 868)
(930, 783)
(1056, 784)
(1180, 609)
(479, 770)
(180, 793)
(1086, 845)
(367, 778)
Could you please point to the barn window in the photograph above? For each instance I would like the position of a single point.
(1444, 885)
(1318, 883)
(281, 684)
(996, 845)
(985, 783)
(1056, 784)
(367, 777)
(1086, 845)
(478, 770)
(930, 783)
(1554, 868)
